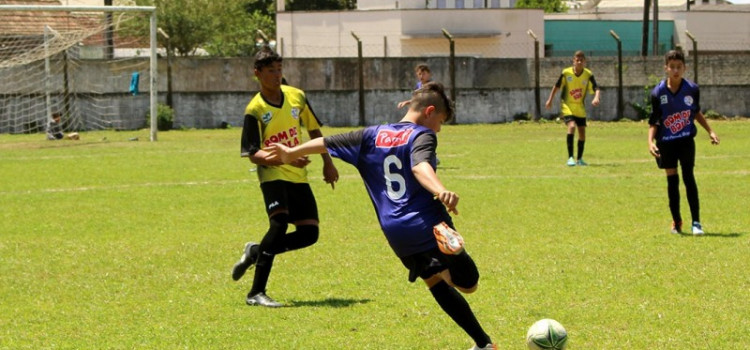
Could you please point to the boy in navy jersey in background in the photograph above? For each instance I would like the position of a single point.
(675, 103)
(397, 163)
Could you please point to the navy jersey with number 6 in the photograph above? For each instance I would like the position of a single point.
(674, 113)
(384, 156)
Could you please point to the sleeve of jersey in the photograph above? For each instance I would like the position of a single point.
(308, 117)
(345, 146)
(560, 80)
(423, 148)
(250, 137)
(655, 117)
(593, 86)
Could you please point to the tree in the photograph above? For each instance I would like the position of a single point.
(221, 28)
(548, 6)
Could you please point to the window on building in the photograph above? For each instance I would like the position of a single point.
(459, 4)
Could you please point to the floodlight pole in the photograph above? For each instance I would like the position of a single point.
(695, 56)
(537, 92)
(620, 106)
(452, 68)
(360, 65)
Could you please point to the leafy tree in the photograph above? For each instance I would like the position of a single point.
(547, 5)
(222, 28)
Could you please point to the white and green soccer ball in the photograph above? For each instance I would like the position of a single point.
(546, 334)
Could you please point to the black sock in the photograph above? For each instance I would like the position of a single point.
(569, 141)
(454, 304)
(580, 148)
(673, 192)
(305, 236)
(691, 192)
(272, 242)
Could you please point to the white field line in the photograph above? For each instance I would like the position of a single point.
(570, 175)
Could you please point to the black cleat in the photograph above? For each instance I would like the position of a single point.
(262, 299)
(247, 260)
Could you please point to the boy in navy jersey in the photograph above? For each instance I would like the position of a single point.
(397, 163)
(675, 104)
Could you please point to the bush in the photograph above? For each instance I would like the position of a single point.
(644, 110)
(164, 117)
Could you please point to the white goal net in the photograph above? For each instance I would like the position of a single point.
(93, 67)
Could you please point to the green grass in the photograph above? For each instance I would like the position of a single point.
(113, 244)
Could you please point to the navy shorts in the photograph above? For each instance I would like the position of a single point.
(579, 121)
(672, 152)
(297, 198)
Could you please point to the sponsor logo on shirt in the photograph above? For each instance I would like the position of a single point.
(576, 93)
(392, 138)
(664, 100)
(677, 121)
(266, 117)
(688, 100)
(287, 137)
(295, 112)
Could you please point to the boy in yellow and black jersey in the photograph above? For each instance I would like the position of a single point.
(277, 114)
(576, 83)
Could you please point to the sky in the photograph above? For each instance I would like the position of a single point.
(740, 1)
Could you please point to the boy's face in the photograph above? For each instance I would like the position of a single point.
(579, 62)
(424, 76)
(675, 69)
(270, 76)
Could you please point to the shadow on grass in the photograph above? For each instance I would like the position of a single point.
(714, 235)
(329, 302)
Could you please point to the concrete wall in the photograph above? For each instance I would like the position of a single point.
(207, 92)
(488, 90)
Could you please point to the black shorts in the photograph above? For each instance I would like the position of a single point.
(681, 150)
(579, 121)
(297, 198)
(429, 263)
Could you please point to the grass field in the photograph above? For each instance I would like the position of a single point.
(111, 244)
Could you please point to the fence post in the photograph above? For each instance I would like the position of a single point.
(452, 68)
(537, 93)
(361, 81)
(620, 105)
(695, 56)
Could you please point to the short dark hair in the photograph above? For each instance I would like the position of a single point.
(433, 94)
(265, 57)
(422, 67)
(580, 54)
(674, 55)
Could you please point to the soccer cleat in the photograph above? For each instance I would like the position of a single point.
(262, 299)
(247, 260)
(581, 162)
(449, 241)
(697, 228)
(486, 347)
(677, 227)
(571, 161)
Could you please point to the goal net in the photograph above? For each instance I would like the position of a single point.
(89, 66)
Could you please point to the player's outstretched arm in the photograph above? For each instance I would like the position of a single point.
(279, 152)
(426, 176)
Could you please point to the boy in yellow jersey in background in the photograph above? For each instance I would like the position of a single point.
(575, 83)
(276, 115)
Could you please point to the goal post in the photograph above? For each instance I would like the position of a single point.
(83, 63)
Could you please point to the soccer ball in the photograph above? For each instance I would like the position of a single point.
(546, 334)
